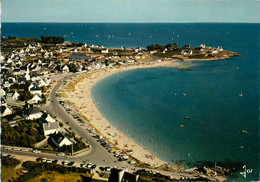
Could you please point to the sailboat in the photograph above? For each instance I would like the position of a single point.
(241, 94)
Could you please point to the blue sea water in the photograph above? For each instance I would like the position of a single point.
(148, 104)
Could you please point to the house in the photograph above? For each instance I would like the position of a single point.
(17, 71)
(137, 49)
(73, 50)
(6, 84)
(65, 68)
(120, 175)
(213, 51)
(186, 46)
(220, 48)
(186, 52)
(32, 113)
(2, 92)
(46, 118)
(84, 45)
(50, 128)
(35, 100)
(36, 91)
(2, 58)
(13, 96)
(33, 84)
(104, 51)
(203, 46)
(9, 61)
(5, 111)
(59, 139)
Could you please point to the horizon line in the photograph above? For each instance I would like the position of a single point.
(125, 22)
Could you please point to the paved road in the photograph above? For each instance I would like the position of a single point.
(97, 154)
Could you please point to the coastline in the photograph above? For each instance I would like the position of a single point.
(82, 103)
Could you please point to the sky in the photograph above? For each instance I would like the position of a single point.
(125, 11)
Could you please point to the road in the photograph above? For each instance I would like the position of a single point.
(97, 154)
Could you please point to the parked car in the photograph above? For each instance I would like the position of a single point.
(36, 151)
(71, 163)
(25, 150)
(55, 161)
(61, 154)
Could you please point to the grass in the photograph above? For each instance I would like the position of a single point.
(8, 172)
(50, 176)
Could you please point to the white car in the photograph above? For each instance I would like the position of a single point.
(17, 149)
(25, 150)
(61, 154)
(65, 162)
(49, 161)
(89, 165)
(36, 151)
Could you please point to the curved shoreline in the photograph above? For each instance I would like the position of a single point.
(82, 101)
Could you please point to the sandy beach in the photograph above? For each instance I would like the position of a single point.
(80, 99)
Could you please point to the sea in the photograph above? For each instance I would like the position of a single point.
(205, 116)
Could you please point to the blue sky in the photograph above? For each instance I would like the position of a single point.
(130, 11)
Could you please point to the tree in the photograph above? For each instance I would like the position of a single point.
(52, 40)
(26, 95)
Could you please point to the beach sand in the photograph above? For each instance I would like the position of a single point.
(80, 98)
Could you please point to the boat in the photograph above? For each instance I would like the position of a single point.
(244, 131)
(187, 117)
(181, 125)
(241, 94)
(184, 94)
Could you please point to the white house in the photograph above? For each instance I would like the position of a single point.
(203, 46)
(2, 92)
(46, 118)
(220, 48)
(13, 96)
(36, 91)
(213, 51)
(50, 128)
(5, 111)
(186, 52)
(104, 51)
(59, 140)
(35, 100)
(33, 113)
(2, 58)
(137, 49)
(65, 69)
(9, 61)
(84, 45)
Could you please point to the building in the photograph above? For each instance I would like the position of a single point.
(104, 51)
(13, 96)
(59, 139)
(2, 93)
(32, 113)
(36, 90)
(46, 118)
(65, 69)
(35, 100)
(120, 175)
(50, 128)
(5, 111)
(186, 52)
